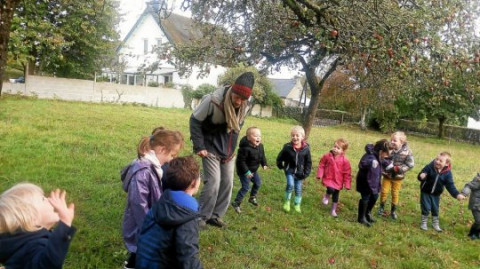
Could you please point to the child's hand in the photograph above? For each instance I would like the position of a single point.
(460, 197)
(265, 167)
(423, 175)
(57, 200)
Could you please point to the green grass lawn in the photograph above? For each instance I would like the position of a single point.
(81, 147)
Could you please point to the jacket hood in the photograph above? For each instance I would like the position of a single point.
(129, 171)
(369, 149)
(11, 243)
(175, 208)
(445, 169)
(244, 142)
(303, 146)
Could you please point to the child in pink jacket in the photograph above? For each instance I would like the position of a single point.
(335, 172)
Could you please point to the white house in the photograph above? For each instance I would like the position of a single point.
(137, 50)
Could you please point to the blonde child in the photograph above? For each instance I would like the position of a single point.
(250, 156)
(473, 189)
(433, 178)
(169, 237)
(295, 160)
(26, 220)
(402, 161)
(335, 172)
(142, 182)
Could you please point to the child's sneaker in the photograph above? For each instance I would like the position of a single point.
(236, 207)
(286, 206)
(253, 200)
(297, 208)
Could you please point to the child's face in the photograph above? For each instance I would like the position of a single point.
(440, 162)
(47, 215)
(254, 137)
(296, 138)
(396, 143)
(165, 156)
(336, 149)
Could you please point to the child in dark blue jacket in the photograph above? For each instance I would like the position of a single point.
(26, 220)
(434, 177)
(250, 156)
(296, 161)
(169, 236)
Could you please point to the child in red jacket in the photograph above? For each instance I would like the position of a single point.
(335, 172)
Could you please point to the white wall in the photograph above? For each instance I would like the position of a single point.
(89, 91)
(473, 124)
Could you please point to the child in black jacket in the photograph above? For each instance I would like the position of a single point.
(250, 156)
(296, 161)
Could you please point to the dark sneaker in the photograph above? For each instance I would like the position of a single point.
(236, 206)
(217, 222)
(253, 200)
(130, 262)
(394, 215)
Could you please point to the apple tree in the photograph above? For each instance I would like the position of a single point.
(313, 36)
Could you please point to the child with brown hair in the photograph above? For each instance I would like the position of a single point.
(433, 178)
(142, 182)
(393, 175)
(169, 237)
(335, 172)
(26, 220)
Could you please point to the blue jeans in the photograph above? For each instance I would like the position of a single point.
(257, 182)
(291, 182)
(429, 203)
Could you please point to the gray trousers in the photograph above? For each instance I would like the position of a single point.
(217, 187)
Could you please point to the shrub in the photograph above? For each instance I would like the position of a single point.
(153, 84)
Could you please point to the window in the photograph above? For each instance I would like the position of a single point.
(145, 46)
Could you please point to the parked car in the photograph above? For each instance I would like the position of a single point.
(17, 80)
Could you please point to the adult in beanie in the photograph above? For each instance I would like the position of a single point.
(214, 128)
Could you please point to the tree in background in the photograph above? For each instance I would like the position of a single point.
(263, 94)
(7, 8)
(65, 38)
(443, 72)
(315, 35)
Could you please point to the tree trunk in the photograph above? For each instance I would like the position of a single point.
(363, 123)
(441, 122)
(316, 88)
(7, 8)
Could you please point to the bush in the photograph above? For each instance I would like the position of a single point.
(153, 84)
(202, 90)
(169, 85)
(187, 91)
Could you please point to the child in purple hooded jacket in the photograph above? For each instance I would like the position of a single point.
(368, 178)
(142, 182)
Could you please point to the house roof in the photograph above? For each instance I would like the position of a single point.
(178, 29)
(282, 87)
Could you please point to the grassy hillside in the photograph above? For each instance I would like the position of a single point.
(81, 147)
